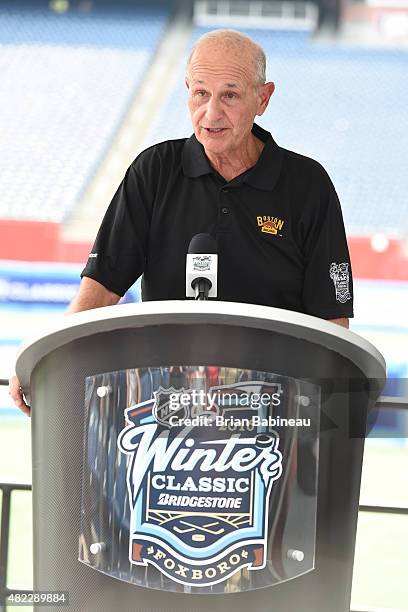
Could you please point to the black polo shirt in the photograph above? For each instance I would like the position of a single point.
(278, 226)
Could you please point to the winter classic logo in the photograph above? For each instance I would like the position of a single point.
(201, 263)
(339, 274)
(198, 496)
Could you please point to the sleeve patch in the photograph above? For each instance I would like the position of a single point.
(339, 273)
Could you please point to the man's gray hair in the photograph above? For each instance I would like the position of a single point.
(237, 38)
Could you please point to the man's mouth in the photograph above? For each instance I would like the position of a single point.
(214, 130)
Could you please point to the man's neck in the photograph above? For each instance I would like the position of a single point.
(231, 165)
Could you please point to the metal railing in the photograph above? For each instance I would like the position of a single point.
(7, 489)
(387, 403)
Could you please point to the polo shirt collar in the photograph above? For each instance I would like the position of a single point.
(263, 175)
(194, 160)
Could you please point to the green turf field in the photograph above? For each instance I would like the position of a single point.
(380, 571)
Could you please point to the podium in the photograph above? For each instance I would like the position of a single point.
(196, 456)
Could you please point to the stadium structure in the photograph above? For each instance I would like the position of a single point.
(88, 84)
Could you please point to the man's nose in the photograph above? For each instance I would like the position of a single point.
(213, 110)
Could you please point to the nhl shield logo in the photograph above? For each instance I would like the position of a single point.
(198, 496)
(162, 408)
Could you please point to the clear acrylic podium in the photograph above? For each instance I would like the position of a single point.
(198, 456)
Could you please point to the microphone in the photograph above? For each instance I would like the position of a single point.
(202, 267)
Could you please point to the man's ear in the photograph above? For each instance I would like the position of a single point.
(266, 91)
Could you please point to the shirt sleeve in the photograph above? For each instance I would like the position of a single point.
(118, 254)
(328, 280)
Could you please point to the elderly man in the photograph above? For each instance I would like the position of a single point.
(274, 213)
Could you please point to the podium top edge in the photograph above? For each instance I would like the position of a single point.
(188, 312)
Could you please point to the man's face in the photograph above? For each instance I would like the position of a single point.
(223, 99)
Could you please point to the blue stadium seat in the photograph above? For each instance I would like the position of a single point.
(67, 80)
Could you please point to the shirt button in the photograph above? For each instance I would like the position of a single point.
(225, 210)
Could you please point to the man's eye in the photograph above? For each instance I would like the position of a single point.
(230, 95)
(200, 93)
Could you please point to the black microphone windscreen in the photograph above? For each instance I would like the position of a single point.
(202, 243)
